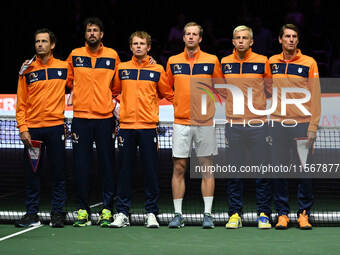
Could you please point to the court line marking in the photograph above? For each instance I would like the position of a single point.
(19, 233)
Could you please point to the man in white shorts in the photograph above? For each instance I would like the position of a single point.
(192, 63)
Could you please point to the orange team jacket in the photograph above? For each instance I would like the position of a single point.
(251, 72)
(188, 92)
(140, 86)
(300, 72)
(92, 75)
(41, 95)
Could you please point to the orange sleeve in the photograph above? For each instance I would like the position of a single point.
(169, 75)
(268, 81)
(164, 88)
(314, 88)
(117, 62)
(70, 72)
(219, 79)
(114, 76)
(117, 85)
(22, 94)
(217, 70)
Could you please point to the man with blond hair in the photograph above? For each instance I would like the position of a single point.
(246, 69)
(192, 63)
(140, 85)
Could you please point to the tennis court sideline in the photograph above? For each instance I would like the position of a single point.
(188, 240)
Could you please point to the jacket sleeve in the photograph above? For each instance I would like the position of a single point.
(22, 94)
(217, 70)
(70, 72)
(268, 81)
(117, 84)
(220, 80)
(164, 88)
(117, 62)
(169, 75)
(315, 90)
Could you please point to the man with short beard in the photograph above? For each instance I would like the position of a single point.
(93, 67)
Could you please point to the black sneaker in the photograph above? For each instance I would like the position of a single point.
(57, 220)
(28, 220)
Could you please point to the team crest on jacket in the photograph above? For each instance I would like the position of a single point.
(275, 68)
(152, 75)
(228, 68)
(300, 70)
(60, 73)
(33, 75)
(155, 139)
(79, 60)
(254, 67)
(108, 62)
(126, 72)
(177, 69)
(205, 68)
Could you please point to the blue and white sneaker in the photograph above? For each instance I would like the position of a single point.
(177, 221)
(263, 221)
(208, 221)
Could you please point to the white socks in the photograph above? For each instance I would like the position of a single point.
(178, 205)
(208, 201)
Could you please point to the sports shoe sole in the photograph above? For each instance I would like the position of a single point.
(124, 225)
(105, 225)
(208, 227)
(36, 224)
(281, 227)
(305, 228)
(152, 226)
(269, 227)
(234, 227)
(82, 224)
(56, 225)
(180, 226)
(119, 226)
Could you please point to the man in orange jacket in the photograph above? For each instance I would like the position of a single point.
(92, 70)
(139, 83)
(246, 69)
(189, 125)
(40, 116)
(291, 69)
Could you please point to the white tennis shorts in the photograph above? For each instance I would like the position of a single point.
(204, 138)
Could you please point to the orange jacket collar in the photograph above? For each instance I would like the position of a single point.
(50, 60)
(297, 56)
(196, 55)
(246, 55)
(97, 53)
(144, 62)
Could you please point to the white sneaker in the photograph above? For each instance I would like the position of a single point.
(121, 221)
(151, 221)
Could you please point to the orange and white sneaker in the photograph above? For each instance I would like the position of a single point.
(282, 222)
(303, 221)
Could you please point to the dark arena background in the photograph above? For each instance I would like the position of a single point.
(164, 21)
